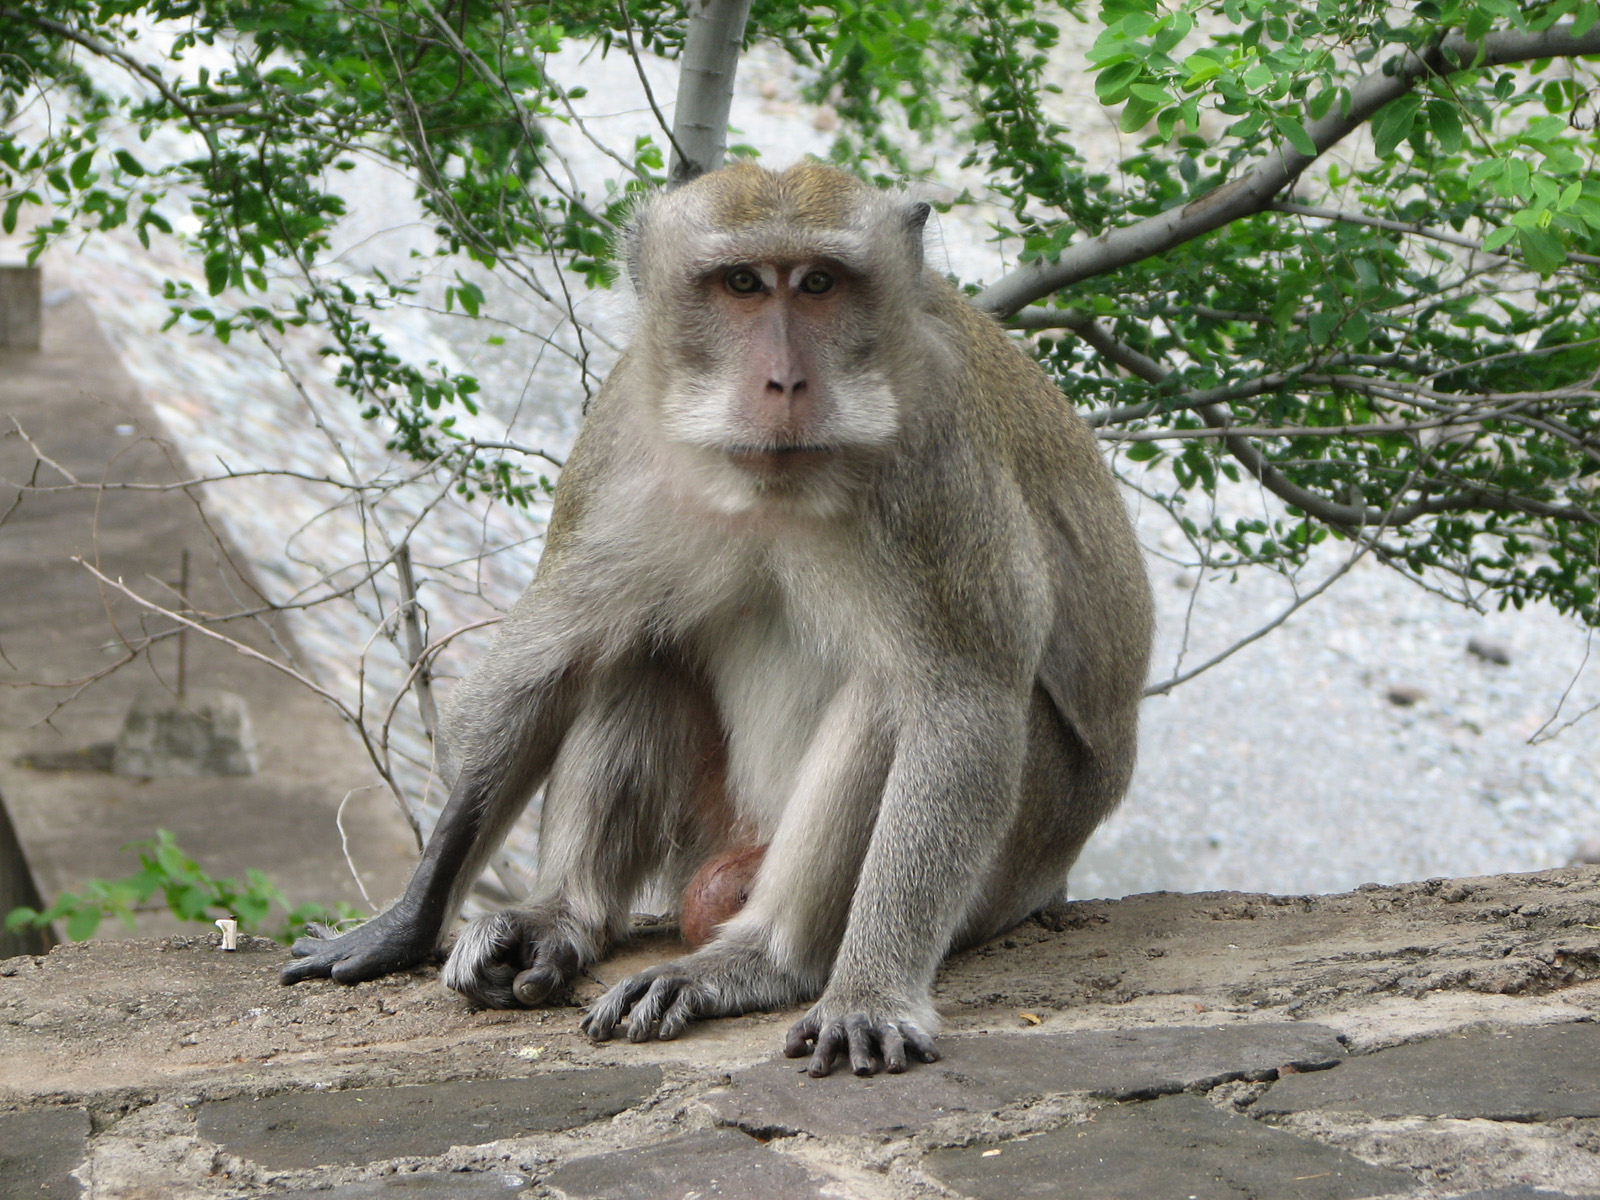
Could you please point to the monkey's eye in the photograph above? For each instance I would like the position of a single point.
(816, 282)
(742, 281)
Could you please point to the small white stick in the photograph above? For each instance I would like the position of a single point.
(230, 933)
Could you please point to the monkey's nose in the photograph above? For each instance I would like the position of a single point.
(786, 387)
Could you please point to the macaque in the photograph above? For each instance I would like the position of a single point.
(834, 569)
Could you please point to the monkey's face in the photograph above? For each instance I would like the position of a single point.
(775, 311)
(777, 396)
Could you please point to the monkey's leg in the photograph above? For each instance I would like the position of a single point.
(1067, 790)
(630, 790)
(778, 949)
(509, 761)
(948, 806)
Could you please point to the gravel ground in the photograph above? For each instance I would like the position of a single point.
(1290, 767)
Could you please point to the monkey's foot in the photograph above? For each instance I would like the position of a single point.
(867, 1040)
(391, 941)
(719, 981)
(516, 958)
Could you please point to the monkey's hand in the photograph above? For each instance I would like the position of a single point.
(513, 958)
(867, 1038)
(394, 940)
(721, 980)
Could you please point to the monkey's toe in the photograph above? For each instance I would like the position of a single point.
(864, 1040)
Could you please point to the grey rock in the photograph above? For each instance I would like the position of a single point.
(425, 1185)
(362, 1125)
(1529, 1074)
(203, 732)
(1522, 1191)
(1181, 1146)
(981, 1074)
(723, 1164)
(1494, 652)
(21, 290)
(39, 1148)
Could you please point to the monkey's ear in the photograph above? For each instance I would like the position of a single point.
(632, 236)
(916, 217)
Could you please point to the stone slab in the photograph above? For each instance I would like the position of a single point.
(1180, 1146)
(204, 732)
(1526, 1074)
(981, 1074)
(721, 1164)
(361, 1125)
(425, 1185)
(39, 1148)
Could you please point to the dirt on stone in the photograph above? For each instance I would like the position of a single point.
(1380, 964)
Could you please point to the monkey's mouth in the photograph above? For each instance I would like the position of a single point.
(774, 460)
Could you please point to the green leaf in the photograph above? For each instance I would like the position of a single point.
(1295, 134)
(82, 171)
(1499, 238)
(219, 266)
(82, 923)
(1445, 122)
(1114, 83)
(1323, 323)
(128, 162)
(1393, 124)
(1541, 250)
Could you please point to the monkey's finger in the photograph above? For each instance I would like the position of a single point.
(684, 1010)
(863, 1041)
(601, 1020)
(920, 1044)
(604, 1017)
(316, 938)
(830, 1041)
(311, 968)
(537, 984)
(551, 964)
(800, 1038)
(894, 1048)
(645, 1017)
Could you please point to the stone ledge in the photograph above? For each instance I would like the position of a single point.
(1430, 1041)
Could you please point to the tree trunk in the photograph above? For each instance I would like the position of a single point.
(705, 86)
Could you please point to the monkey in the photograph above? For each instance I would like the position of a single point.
(833, 568)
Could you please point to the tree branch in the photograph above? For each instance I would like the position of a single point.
(1415, 229)
(1254, 190)
(1346, 517)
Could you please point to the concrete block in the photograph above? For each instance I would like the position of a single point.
(721, 1164)
(1181, 1146)
(39, 1148)
(295, 1130)
(1532, 1074)
(20, 306)
(422, 1185)
(203, 732)
(981, 1074)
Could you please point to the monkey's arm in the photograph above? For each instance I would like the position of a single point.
(407, 933)
(504, 763)
(949, 801)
